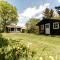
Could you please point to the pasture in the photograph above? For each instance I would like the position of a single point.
(46, 47)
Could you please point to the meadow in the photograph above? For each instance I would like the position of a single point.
(47, 47)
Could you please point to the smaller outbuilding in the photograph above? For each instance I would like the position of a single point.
(49, 26)
(13, 28)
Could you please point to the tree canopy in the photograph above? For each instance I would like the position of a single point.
(48, 13)
(31, 25)
(58, 9)
(8, 14)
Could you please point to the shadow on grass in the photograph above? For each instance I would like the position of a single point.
(3, 41)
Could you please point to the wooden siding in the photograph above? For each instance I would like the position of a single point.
(52, 31)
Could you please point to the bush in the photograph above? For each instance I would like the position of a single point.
(9, 51)
(3, 41)
(20, 52)
(3, 44)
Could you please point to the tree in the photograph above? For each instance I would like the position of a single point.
(58, 9)
(48, 13)
(31, 25)
(51, 13)
(8, 14)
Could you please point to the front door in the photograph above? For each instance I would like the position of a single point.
(47, 28)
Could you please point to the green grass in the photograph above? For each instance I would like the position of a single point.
(45, 46)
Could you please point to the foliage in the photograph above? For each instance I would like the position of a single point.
(10, 50)
(21, 52)
(44, 46)
(31, 25)
(51, 13)
(3, 41)
(8, 14)
(58, 9)
(48, 13)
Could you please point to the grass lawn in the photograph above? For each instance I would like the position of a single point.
(47, 47)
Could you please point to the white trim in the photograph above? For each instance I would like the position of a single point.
(57, 25)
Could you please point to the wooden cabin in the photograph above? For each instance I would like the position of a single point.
(49, 26)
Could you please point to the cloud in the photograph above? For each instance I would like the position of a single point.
(21, 20)
(58, 0)
(39, 16)
(55, 12)
(33, 11)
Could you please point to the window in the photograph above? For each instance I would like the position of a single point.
(12, 29)
(56, 25)
(42, 27)
(18, 29)
(47, 25)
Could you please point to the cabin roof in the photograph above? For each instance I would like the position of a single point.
(47, 20)
(13, 26)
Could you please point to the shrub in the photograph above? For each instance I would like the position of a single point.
(3, 41)
(9, 51)
(20, 52)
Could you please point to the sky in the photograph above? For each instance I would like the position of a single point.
(32, 8)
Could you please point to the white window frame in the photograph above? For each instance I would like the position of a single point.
(48, 24)
(57, 26)
(42, 27)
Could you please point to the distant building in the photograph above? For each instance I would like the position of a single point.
(23, 29)
(13, 28)
(49, 26)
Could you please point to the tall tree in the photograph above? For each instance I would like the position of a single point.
(58, 9)
(48, 13)
(31, 25)
(8, 14)
(51, 13)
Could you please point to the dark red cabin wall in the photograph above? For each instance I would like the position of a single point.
(54, 31)
(41, 31)
(51, 27)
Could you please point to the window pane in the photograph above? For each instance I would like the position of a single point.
(47, 26)
(12, 29)
(56, 25)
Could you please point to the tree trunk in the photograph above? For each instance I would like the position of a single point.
(4, 29)
(4, 26)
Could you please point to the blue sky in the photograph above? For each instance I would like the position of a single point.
(32, 8)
